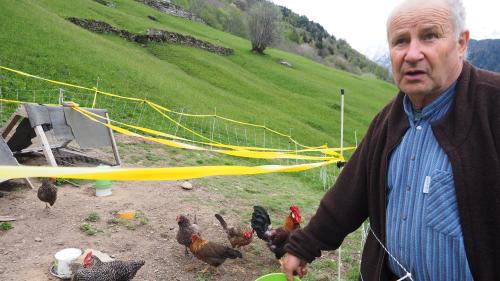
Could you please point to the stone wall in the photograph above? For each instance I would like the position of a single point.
(152, 35)
(171, 9)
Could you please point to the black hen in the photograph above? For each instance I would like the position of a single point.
(109, 271)
(186, 230)
(47, 192)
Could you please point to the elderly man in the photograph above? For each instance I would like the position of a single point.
(427, 173)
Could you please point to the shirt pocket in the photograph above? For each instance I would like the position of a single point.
(441, 213)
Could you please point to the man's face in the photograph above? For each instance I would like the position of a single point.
(425, 54)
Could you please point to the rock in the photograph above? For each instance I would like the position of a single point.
(38, 239)
(285, 63)
(187, 185)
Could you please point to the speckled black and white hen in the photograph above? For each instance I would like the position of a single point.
(47, 192)
(107, 271)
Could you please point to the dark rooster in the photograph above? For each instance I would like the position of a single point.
(276, 238)
(238, 236)
(186, 230)
(210, 252)
(47, 192)
(95, 270)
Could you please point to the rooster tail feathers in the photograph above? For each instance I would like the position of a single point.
(260, 211)
(260, 222)
(233, 254)
(222, 221)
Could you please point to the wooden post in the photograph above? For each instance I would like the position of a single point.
(28, 182)
(47, 151)
(339, 265)
(113, 143)
(61, 96)
(9, 125)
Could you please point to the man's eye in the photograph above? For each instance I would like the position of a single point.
(398, 41)
(430, 36)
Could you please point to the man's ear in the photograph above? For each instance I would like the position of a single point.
(463, 42)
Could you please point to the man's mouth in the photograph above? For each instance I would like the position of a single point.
(414, 73)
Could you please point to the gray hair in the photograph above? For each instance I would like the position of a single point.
(457, 11)
(458, 16)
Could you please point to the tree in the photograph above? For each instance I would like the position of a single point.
(263, 21)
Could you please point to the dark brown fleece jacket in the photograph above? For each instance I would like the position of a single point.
(470, 136)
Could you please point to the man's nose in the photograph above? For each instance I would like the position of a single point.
(414, 53)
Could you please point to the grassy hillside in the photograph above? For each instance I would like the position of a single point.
(304, 99)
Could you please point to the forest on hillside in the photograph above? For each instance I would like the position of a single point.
(295, 33)
(485, 53)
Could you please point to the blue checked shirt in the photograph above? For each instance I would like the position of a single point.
(423, 227)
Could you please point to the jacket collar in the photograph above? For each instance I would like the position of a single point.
(453, 128)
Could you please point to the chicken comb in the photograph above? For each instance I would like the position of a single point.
(88, 260)
(296, 211)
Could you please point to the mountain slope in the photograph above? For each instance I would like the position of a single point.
(296, 33)
(485, 53)
(304, 99)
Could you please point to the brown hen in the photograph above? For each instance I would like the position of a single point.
(238, 236)
(210, 252)
(47, 192)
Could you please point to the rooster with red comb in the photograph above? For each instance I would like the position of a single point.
(276, 239)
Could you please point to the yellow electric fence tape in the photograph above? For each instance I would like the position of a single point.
(156, 107)
(11, 172)
(240, 152)
(332, 155)
(248, 152)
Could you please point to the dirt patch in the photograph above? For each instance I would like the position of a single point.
(27, 250)
(26, 259)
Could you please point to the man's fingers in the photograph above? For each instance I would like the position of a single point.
(289, 275)
(301, 271)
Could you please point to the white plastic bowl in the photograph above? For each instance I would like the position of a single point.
(64, 258)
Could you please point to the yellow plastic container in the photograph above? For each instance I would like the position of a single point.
(275, 277)
(127, 214)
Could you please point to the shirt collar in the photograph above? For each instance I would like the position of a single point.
(433, 111)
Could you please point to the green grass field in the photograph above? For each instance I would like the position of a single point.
(303, 100)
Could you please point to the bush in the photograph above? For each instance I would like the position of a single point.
(88, 229)
(4, 226)
(93, 217)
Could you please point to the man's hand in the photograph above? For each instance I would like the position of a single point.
(292, 265)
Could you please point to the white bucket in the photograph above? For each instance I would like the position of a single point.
(103, 192)
(64, 258)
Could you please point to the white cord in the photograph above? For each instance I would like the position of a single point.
(408, 274)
